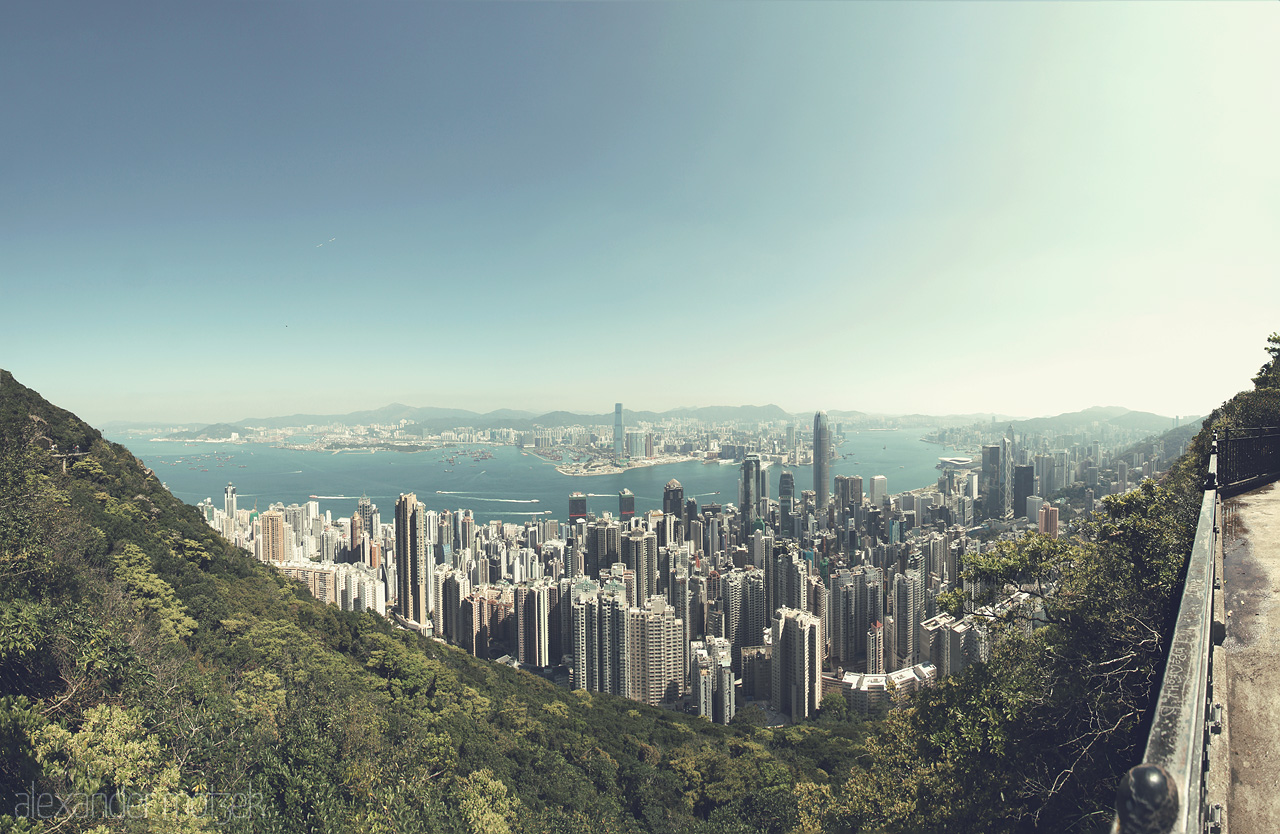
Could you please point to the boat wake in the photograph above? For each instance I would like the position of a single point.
(471, 496)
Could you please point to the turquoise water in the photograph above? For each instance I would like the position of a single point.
(510, 486)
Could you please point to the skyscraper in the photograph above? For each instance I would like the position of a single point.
(797, 664)
(673, 504)
(618, 437)
(821, 465)
(749, 494)
(273, 544)
(1024, 484)
(367, 510)
(626, 505)
(415, 560)
(879, 490)
(786, 504)
(229, 501)
(577, 507)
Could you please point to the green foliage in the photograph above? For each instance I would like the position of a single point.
(139, 651)
(1269, 374)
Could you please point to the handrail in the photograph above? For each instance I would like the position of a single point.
(1165, 794)
(1247, 458)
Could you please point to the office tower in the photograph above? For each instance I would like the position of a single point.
(1006, 475)
(844, 498)
(1049, 520)
(577, 507)
(797, 664)
(821, 466)
(415, 560)
(787, 511)
(673, 500)
(273, 538)
(879, 490)
(1034, 503)
(618, 436)
(229, 501)
(990, 484)
(367, 510)
(749, 495)
(791, 438)
(1122, 476)
(626, 506)
(1024, 480)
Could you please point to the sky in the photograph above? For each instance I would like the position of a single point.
(210, 211)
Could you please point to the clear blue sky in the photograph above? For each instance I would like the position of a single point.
(1026, 208)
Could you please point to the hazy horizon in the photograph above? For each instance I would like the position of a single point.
(215, 212)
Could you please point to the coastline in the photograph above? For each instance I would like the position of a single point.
(577, 470)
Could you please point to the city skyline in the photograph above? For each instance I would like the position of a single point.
(1022, 209)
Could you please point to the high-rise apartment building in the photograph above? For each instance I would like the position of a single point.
(415, 560)
(821, 466)
(797, 664)
(1049, 520)
(273, 540)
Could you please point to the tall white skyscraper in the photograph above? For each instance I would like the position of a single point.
(229, 501)
(821, 466)
(879, 490)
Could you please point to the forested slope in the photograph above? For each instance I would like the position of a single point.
(145, 660)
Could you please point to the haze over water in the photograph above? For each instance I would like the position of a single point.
(503, 487)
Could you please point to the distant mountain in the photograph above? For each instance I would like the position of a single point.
(387, 414)
(217, 431)
(1112, 415)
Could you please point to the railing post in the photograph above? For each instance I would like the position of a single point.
(1146, 801)
(1210, 480)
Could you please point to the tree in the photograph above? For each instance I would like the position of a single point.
(1269, 374)
(834, 707)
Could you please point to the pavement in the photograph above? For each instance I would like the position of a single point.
(1247, 667)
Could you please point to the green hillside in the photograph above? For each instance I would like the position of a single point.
(153, 677)
(146, 661)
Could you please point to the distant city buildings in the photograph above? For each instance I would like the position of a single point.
(744, 597)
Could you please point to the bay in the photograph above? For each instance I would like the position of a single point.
(510, 486)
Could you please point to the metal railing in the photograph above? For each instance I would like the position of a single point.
(1165, 794)
(1247, 458)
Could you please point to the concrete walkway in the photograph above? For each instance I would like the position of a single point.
(1247, 666)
